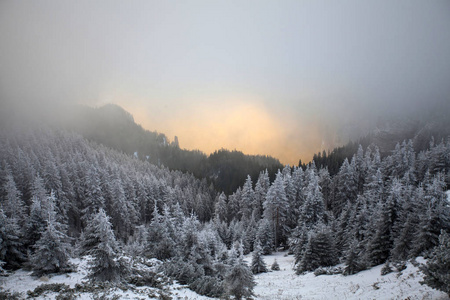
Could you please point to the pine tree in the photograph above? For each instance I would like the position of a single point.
(51, 251)
(99, 241)
(261, 188)
(434, 217)
(258, 265)
(265, 236)
(160, 243)
(298, 242)
(437, 269)
(379, 247)
(320, 250)
(220, 208)
(13, 205)
(313, 209)
(353, 262)
(239, 282)
(247, 199)
(11, 245)
(276, 207)
(346, 186)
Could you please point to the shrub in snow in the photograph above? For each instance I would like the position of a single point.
(386, 268)
(437, 269)
(275, 266)
(45, 288)
(399, 266)
(184, 272)
(9, 295)
(328, 271)
(208, 285)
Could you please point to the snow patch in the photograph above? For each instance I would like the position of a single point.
(369, 284)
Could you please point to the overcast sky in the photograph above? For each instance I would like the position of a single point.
(285, 78)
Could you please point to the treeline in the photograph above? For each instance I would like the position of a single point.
(113, 127)
(385, 137)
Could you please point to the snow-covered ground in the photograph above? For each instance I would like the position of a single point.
(285, 284)
(21, 281)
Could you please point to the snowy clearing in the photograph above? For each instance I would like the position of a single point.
(281, 285)
(369, 284)
(21, 282)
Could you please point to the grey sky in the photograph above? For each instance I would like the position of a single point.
(314, 67)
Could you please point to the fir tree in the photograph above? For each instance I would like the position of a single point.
(239, 282)
(51, 252)
(275, 209)
(247, 199)
(437, 269)
(11, 245)
(265, 236)
(99, 242)
(379, 247)
(320, 250)
(313, 209)
(52, 249)
(258, 265)
(220, 208)
(353, 262)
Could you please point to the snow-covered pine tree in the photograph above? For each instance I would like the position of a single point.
(239, 282)
(13, 205)
(346, 187)
(247, 199)
(258, 265)
(353, 263)
(261, 188)
(434, 217)
(298, 242)
(313, 209)
(437, 268)
(220, 208)
(275, 209)
(159, 241)
(11, 245)
(264, 235)
(98, 240)
(51, 251)
(320, 250)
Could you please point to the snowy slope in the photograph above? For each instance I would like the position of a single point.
(282, 285)
(21, 281)
(285, 284)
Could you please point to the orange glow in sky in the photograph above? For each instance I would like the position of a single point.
(244, 125)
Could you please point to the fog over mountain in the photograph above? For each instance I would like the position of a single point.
(285, 79)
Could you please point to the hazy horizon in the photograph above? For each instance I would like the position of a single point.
(286, 79)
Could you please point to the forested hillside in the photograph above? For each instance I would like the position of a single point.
(58, 191)
(114, 127)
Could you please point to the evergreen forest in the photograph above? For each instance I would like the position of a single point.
(64, 196)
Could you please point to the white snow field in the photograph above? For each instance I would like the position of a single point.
(21, 281)
(369, 284)
(275, 285)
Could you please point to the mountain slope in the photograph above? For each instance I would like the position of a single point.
(114, 127)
